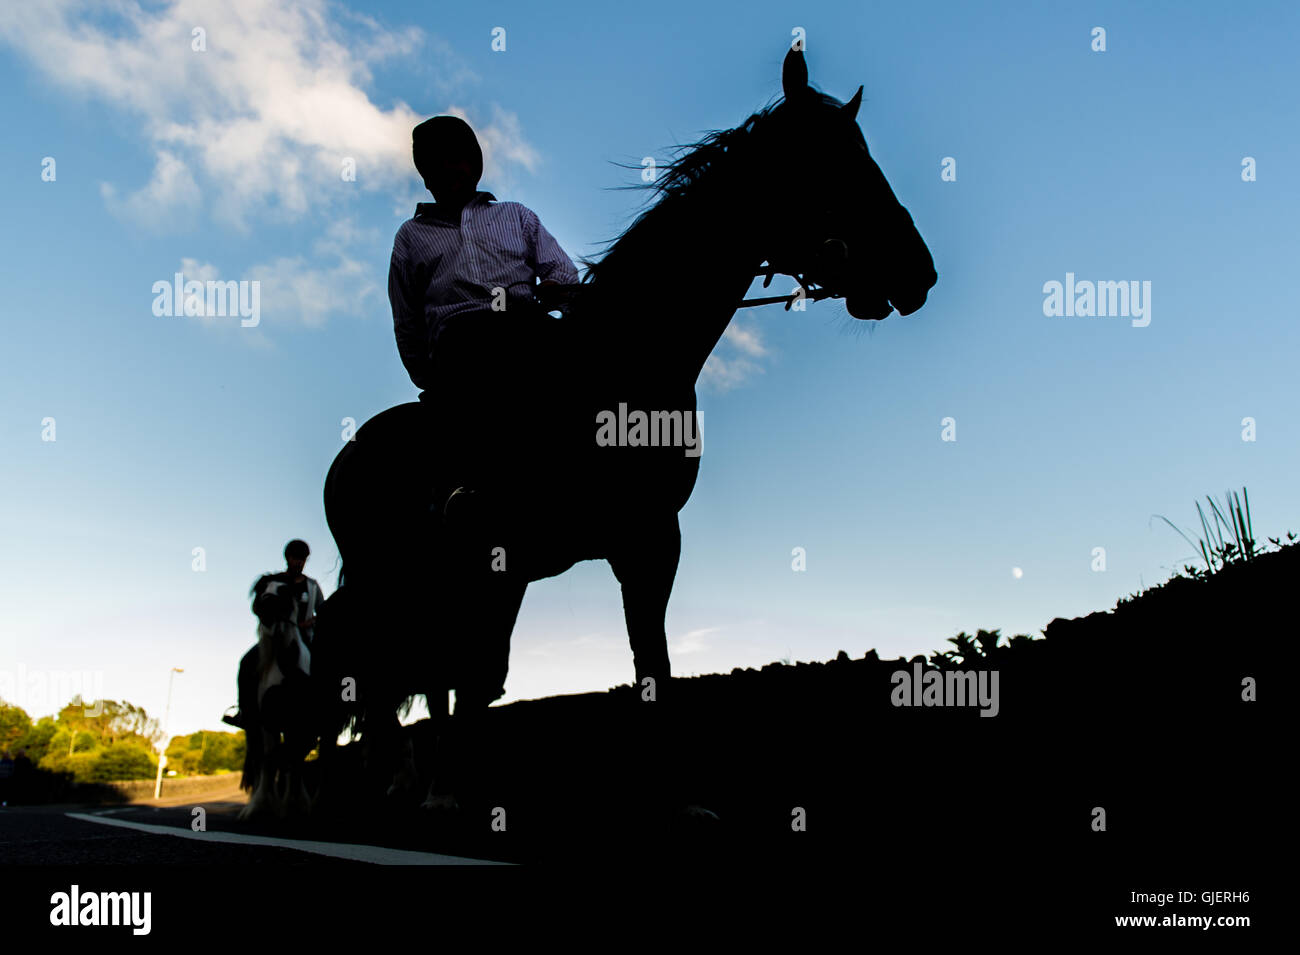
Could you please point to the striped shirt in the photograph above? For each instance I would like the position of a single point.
(441, 269)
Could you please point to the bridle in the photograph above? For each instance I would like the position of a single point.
(810, 292)
(833, 252)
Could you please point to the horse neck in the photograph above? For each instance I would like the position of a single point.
(675, 297)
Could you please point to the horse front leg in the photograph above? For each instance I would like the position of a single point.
(645, 565)
(264, 798)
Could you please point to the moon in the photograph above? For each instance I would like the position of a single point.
(1017, 573)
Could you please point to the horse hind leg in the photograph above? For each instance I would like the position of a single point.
(333, 791)
(440, 797)
(406, 776)
(480, 676)
(459, 747)
(386, 748)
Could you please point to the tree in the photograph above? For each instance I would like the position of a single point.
(14, 725)
(123, 761)
(37, 742)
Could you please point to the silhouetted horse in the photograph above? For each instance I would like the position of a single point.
(793, 186)
(275, 701)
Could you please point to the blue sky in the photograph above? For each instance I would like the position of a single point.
(176, 433)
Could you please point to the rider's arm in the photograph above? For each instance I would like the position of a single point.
(317, 599)
(408, 317)
(549, 261)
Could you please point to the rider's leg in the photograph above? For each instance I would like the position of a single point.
(454, 402)
(491, 398)
(532, 395)
(496, 401)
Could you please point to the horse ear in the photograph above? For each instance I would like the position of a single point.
(794, 74)
(850, 109)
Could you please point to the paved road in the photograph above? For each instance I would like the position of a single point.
(153, 852)
(147, 834)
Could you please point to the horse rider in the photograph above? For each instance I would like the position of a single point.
(469, 321)
(305, 594)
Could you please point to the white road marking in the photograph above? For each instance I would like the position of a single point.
(377, 855)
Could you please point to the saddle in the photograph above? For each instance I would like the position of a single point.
(501, 419)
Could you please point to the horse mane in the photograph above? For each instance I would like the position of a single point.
(678, 181)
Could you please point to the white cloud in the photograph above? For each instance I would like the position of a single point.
(304, 289)
(735, 360)
(165, 204)
(692, 642)
(565, 647)
(747, 340)
(503, 140)
(295, 288)
(199, 271)
(264, 117)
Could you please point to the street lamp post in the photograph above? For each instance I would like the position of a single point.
(162, 755)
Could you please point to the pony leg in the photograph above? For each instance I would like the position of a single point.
(280, 787)
(263, 798)
(298, 800)
(282, 768)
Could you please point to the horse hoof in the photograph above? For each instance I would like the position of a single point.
(399, 790)
(253, 810)
(440, 804)
(698, 814)
(404, 781)
(300, 806)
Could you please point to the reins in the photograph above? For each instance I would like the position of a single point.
(806, 291)
(809, 294)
